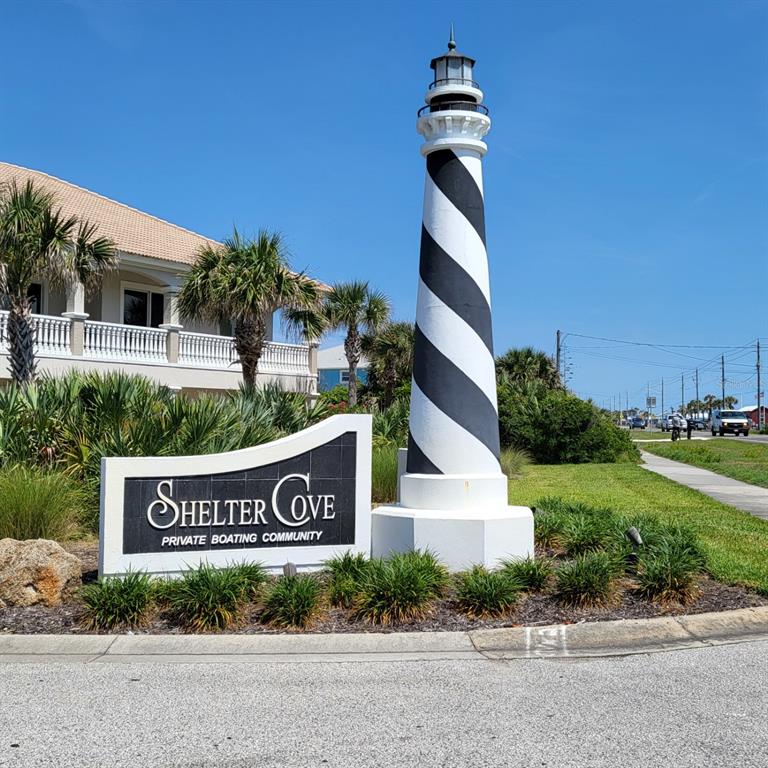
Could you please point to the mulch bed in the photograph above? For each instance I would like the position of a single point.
(532, 610)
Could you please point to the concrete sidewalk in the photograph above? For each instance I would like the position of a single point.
(750, 498)
(583, 640)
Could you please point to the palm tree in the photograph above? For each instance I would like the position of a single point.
(38, 241)
(710, 402)
(528, 365)
(245, 281)
(355, 308)
(390, 354)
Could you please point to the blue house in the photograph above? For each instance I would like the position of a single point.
(333, 368)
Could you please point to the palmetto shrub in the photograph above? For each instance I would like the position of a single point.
(293, 601)
(39, 504)
(587, 580)
(481, 593)
(207, 598)
(70, 422)
(118, 602)
(401, 588)
(529, 573)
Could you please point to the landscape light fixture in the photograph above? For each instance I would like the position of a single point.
(636, 540)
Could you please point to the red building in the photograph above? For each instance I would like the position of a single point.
(751, 412)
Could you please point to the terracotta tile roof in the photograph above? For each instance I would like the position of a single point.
(132, 231)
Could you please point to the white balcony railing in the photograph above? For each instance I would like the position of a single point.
(94, 340)
(112, 341)
(52, 334)
(205, 350)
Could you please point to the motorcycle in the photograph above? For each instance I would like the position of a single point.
(675, 433)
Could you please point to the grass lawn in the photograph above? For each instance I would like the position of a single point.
(737, 459)
(645, 434)
(735, 542)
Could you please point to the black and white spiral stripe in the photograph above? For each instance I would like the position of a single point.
(454, 425)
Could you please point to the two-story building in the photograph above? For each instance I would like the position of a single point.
(132, 323)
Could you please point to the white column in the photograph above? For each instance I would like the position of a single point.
(171, 325)
(77, 315)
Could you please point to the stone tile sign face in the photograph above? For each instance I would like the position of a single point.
(301, 499)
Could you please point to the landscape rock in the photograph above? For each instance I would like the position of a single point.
(36, 571)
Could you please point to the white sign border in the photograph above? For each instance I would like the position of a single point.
(115, 470)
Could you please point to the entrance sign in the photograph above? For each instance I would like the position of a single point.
(302, 499)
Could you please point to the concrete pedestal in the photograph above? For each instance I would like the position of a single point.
(472, 526)
(459, 539)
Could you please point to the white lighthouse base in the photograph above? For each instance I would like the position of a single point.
(458, 538)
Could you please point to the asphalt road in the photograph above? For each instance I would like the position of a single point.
(702, 708)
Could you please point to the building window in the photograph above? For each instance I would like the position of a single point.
(35, 295)
(143, 308)
(344, 377)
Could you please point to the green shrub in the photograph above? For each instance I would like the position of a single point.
(530, 573)
(668, 571)
(347, 572)
(587, 579)
(481, 593)
(252, 578)
(401, 588)
(39, 504)
(70, 422)
(292, 601)
(384, 474)
(556, 427)
(207, 598)
(433, 571)
(335, 395)
(514, 460)
(118, 602)
(575, 527)
(585, 530)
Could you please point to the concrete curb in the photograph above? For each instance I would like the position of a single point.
(586, 640)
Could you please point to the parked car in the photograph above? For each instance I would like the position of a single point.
(730, 422)
(699, 423)
(637, 422)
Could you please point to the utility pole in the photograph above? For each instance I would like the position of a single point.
(698, 404)
(682, 393)
(557, 353)
(722, 381)
(759, 393)
(662, 397)
(648, 400)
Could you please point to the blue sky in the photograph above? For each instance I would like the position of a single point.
(626, 179)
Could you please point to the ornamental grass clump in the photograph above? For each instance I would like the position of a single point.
(252, 577)
(532, 574)
(401, 588)
(549, 522)
(118, 602)
(481, 593)
(587, 580)
(347, 573)
(293, 601)
(207, 599)
(668, 570)
(585, 529)
(39, 504)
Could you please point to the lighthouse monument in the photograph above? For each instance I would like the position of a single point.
(453, 495)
